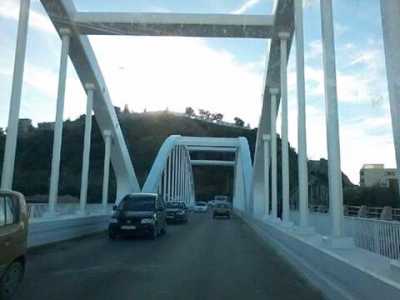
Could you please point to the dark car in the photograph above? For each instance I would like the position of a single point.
(177, 212)
(139, 213)
(13, 242)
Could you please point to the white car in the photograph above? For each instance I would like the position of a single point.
(200, 206)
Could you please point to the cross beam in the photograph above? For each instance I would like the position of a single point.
(172, 24)
(227, 163)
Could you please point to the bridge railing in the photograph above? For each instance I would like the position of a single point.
(375, 235)
(379, 236)
(41, 210)
(385, 213)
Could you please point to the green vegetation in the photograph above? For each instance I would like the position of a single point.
(144, 134)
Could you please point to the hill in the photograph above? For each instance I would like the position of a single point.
(144, 133)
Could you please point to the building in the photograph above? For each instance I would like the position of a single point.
(46, 126)
(378, 175)
(24, 126)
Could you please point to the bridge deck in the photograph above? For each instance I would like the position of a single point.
(205, 259)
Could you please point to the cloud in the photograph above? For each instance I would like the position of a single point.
(187, 73)
(360, 73)
(245, 7)
(9, 9)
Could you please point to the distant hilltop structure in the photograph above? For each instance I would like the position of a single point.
(377, 175)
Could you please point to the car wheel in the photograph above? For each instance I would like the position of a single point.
(112, 235)
(163, 230)
(154, 234)
(10, 280)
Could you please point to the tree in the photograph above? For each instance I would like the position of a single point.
(189, 111)
(202, 113)
(218, 117)
(126, 109)
(238, 122)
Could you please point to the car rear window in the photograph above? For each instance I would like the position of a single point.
(138, 203)
(176, 205)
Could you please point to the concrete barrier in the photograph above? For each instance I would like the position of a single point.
(46, 231)
(351, 273)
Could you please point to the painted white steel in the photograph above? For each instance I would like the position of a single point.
(274, 160)
(332, 119)
(267, 139)
(58, 125)
(15, 101)
(390, 13)
(86, 146)
(106, 167)
(301, 115)
(284, 36)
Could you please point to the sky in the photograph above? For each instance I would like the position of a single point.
(220, 75)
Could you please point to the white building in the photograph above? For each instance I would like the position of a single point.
(378, 175)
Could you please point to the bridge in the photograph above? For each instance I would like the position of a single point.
(300, 253)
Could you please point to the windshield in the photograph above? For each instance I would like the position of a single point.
(211, 128)
(176, 205)
(138, 203)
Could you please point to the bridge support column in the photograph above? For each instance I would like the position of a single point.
(15, 101)
(58, 126)
(178, 179)
(284, 36)
(274, 160)
(173, 174)
(390, 11)
(106, 171)
(169, 178)
(266, 139)
(164, 182)
(181, 174)
(301, 116)
(332, 119)
(86, 147)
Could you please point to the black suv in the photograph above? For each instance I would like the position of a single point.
(139, 213)
(177, 211)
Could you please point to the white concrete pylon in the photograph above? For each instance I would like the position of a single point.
(301, 116)
(266, 139)
(106, 168)
(181, 172)
(274, 160)
(164, 181)
(86, 146)
(58, 125)
(178, 173)
(284, 36)
(169, 190)
(332, 119)
(15, 101)
(390, 14)
(173, 174)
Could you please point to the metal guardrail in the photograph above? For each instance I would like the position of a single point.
(385, 213)
(379, 236)
(40, 210)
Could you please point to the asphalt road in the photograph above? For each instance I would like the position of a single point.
(204, 259)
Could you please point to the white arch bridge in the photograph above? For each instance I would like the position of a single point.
(171, 174)
(347, 257)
